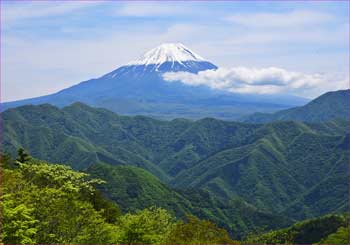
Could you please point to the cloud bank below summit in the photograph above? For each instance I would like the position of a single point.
(268, 80)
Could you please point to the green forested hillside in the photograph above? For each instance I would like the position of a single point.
(50, 203)
(133, 188)
(331, 105)
(45, 203)
(90, 135)
(288, 168)
(286, 161)
(329, 229)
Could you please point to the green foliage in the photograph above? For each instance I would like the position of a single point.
(22, 156)
(306, 232)
(109, 210)
(18, 223)
(149, 226)
(133, 189)
(195, 231)
(6, 161)
(341, 236)
(286, 163)
(59, 176)
(53, 204)
(48, 204)
(68, 219)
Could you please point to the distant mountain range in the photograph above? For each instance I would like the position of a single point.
(138, 88)
(291, 168)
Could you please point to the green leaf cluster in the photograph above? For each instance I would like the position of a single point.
(148, 226)
(45, 203)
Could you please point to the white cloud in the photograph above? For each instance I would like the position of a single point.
(269, 80)
(284, 20)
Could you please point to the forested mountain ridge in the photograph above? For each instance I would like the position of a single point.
(267, 165)
(328, 106)
(287, 159)
(100, 135)
(328, 229)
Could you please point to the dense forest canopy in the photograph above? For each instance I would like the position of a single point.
(51, 203)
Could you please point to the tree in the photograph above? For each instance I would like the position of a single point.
(196, 231)
(18, 223)
(109, 210)
(22, 156)
(60, 177)
(64, 218)
(148, 226)
(50, 204)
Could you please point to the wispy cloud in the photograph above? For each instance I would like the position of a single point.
(12, 12)
(292, 19)
(151, 9)
(51, 64)
(269, 80)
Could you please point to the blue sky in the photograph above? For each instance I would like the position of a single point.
(48, 46)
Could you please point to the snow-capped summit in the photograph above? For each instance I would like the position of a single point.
(168, 52)
(167, 57)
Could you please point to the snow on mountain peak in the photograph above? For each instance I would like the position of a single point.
(167, 52)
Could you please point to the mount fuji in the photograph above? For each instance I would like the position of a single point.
(138, 88)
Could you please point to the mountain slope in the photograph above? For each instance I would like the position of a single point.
(331, 105)
(117, 139)
(318, 230)
(266, 165)
(274, 170)
(77, 134)
(329, 193)
(138, 88)
(133, 188)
